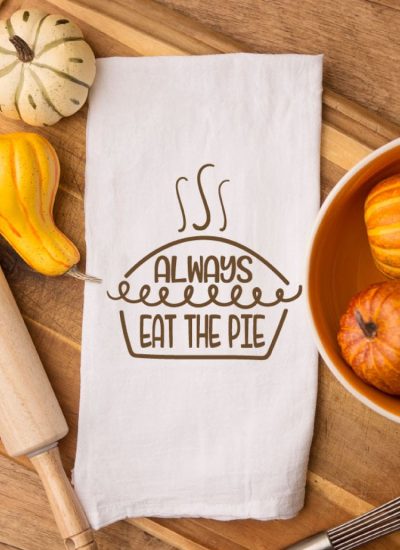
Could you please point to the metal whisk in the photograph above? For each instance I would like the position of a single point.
(374, 524)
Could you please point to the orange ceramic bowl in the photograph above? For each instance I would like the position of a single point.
(340, 265)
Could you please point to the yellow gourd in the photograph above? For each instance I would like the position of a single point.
(29, 174)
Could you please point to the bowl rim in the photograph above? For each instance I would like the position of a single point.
(320, 216)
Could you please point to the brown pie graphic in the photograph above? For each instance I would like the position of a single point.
(203, 297)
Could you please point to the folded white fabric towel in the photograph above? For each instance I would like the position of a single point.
(199, 375)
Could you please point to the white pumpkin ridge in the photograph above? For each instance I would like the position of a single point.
(7, 52)
(62, 74)
(56, 43)
(19, 89)
(5, 70)
(44, 94)
(38, 31)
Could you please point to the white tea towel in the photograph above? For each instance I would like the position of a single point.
(199, 375)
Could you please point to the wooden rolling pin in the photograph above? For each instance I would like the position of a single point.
(31, 421)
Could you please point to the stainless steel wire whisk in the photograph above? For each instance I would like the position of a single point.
(374, 524)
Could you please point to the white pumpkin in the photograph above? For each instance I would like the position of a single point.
(46, 67)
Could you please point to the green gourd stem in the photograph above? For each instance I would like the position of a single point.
(369, 329)
(24, 52)
(74, 272)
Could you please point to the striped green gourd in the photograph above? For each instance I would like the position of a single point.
(46, 67)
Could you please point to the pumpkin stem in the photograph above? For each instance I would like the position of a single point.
(24, 52)
(370, 329)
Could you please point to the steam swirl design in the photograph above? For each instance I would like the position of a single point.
(206, 223)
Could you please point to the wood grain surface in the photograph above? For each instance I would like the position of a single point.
(359, 39)
(355, 453)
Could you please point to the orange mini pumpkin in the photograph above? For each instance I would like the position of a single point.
(382, 218)
(369, 336)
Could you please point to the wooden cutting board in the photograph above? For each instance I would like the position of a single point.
(355, 453)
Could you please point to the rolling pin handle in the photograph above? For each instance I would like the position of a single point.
(78, 541)
(68, 512)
